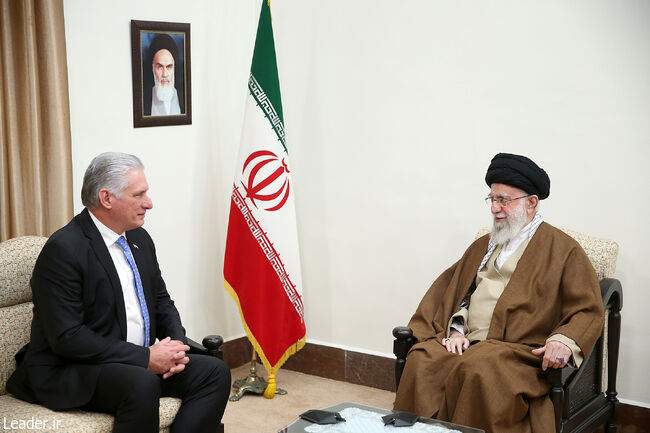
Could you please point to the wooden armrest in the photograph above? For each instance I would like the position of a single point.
(211, 345)
(404, 340)
(612, 292)
(402, 332)
(559, 376)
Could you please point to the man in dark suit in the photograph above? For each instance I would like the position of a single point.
(100, 303)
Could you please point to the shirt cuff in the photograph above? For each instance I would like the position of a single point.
(458, 321)
(576, 352)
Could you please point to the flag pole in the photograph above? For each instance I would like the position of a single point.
(252, 383)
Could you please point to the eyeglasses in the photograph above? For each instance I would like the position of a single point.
(502, 201)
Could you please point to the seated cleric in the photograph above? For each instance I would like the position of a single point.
(520, 300)
(100, 303)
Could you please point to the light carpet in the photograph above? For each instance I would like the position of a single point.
(256, 414)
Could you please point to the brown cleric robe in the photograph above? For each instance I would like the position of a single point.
(498, 384)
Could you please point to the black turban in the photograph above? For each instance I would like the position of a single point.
(520, 172)
(163, 42)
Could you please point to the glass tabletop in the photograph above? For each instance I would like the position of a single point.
(299, 425)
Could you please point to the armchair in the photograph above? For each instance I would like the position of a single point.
(17, 258)
(584, 398)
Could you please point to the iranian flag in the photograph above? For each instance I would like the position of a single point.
(262, 263)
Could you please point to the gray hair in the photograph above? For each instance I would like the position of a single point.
(107, 171)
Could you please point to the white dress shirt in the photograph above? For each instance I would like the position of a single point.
(134, 321)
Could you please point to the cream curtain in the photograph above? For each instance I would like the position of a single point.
(35, 145)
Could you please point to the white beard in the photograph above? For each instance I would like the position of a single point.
(164, 92)
(503, 231)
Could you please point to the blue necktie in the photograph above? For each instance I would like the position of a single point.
(138, 287)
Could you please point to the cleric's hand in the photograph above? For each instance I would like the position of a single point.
(555, 354)
(456, 342)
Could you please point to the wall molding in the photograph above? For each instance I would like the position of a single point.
(325, 361)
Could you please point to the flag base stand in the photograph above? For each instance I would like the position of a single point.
(252, 383)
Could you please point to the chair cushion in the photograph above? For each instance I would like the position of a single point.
(77, 421)
(15, 323)
(602, 253)
(17, 258)
(168, 409)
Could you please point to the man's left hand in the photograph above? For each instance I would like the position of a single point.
(555, 354)
(180, 365)
(180, 359)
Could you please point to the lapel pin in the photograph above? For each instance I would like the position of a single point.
(136, 246)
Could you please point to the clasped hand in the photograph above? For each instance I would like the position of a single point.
(167, 357)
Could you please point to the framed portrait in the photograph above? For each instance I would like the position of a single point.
(161, 64)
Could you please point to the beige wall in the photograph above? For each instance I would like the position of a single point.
(393, 111)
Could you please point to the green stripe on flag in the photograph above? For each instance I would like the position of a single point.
(264, 69)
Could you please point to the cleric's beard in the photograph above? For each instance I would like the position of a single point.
(164, 92)
(503, 231)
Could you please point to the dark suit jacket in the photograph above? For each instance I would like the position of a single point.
(79, 315)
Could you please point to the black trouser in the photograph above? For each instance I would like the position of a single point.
(133, 394)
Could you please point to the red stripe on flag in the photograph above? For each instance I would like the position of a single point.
(266, 309)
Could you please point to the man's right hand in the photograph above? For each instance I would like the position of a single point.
(166, 355)
(456, 342)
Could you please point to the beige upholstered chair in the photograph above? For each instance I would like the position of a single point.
(583, 398)
(17, 258)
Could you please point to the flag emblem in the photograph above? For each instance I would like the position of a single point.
(268, 180)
